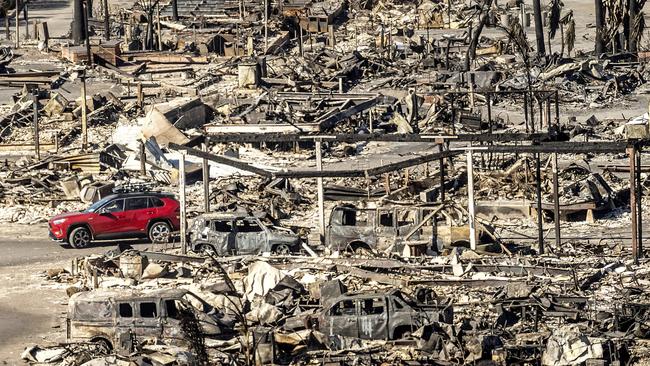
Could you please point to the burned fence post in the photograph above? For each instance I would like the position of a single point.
(140, 96)
(143, 159)
(631, 151)
(319, 182)
(556, 202)
(206, 177)
(37, 146)
(470, 200)
(183, 203)
(540, 212)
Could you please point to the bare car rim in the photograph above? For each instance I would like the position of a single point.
(160, 232)
(207, 249)
(282, 249)
(80, 238)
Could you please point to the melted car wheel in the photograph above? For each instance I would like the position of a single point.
(159, 232)
(282, 249)
(79, 238)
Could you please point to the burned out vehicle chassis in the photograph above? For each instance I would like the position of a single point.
(378, 315)
(235, 234)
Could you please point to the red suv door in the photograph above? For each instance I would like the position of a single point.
(139, 212)
(110, 219)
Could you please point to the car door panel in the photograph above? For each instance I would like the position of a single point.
(138, 213)
(109, 219)
(373, 318)
(342, 319)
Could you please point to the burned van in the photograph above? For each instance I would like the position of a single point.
(118, 319)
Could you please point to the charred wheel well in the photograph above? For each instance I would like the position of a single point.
(103, 341)
(401, 330)
(356, 245)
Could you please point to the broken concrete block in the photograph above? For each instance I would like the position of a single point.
(71, 188)
(56, 105)
(154, 270)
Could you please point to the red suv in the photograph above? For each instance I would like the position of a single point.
(127, 215)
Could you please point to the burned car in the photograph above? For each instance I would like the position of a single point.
(116, 319)
(379, 315)
(237, 234)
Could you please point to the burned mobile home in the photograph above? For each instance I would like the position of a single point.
(357, 182)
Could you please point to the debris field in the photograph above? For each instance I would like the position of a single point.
(357, 182)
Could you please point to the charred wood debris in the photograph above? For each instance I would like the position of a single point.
(409, 145)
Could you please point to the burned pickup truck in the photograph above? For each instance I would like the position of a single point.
(378, 315)
(238, 234)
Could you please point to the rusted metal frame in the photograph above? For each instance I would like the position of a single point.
(351, 138)
(561, 147)
(540, 212)
(222, 160)
(639, 192)
(206, 176)
(631, 151)
(556, 202)
(183, 205)
(37, 147)
(442, 172)
(311, 173)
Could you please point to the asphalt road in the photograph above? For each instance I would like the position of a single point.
(32, 310)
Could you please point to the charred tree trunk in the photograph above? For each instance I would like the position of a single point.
(600, 26)
(78, 29)
(539, 27)
(149, 37)
(471, 50)
(632, 13)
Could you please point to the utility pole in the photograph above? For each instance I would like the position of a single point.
(175, 10)
(321, 199)
(206, 177)
(107, 24)
(37, 146)
(631, 40)
(158, 25)
(600, 26)
(181, 190)
(539, 27)
(84, 114)
(470, 200)
(78, 28)
(88, 53)
(266, 25)
(17, 44)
